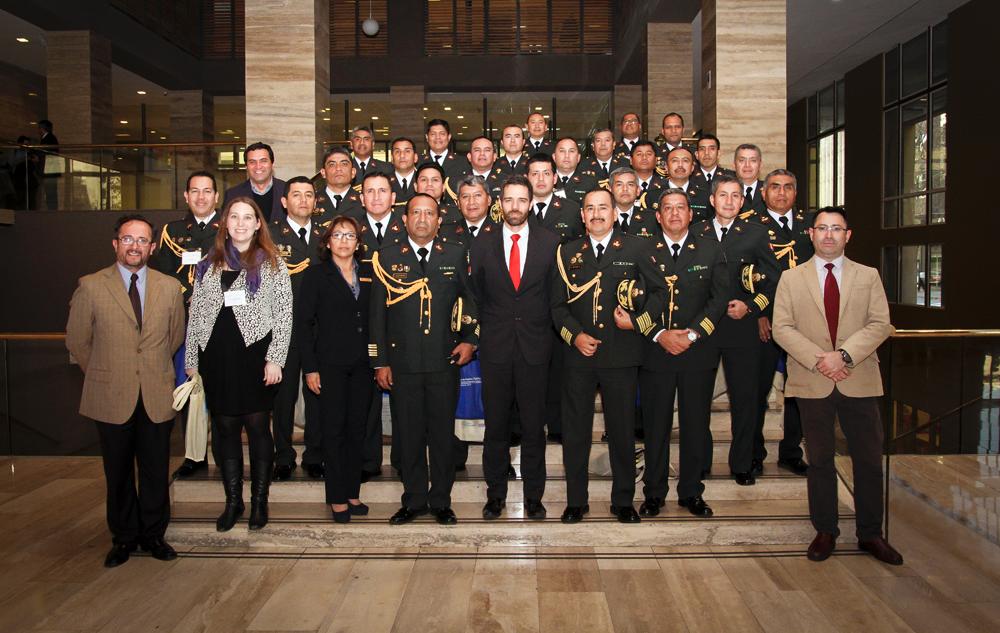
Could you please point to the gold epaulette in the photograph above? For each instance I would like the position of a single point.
(786, 250)
(166, 240)
(747, 214)
(357, 187)
(604, 183)
(294, 269)
(496, 211)
(595, 283)
(449, 191)
(397, 291)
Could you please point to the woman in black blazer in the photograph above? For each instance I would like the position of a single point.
(333, 324)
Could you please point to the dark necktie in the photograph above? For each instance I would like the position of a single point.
(645, 186)
(201, 226)
(515, 262)
(302, 234)
(708, 176)
(724, 230)
(600, 252)
(336, 201)
(133, 296)
(437, 159)
(676, 248)
(363, 165)
(749, 194)
(831, 301)
(403, 184)
(623, 222)
(513, 164)
(473, 229)
(565, 180)
(540, 214)
(538, 145)
(422, 251)
(378, 232)
(604, 167)
(784, 222)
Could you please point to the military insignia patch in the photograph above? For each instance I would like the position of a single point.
(617, 243)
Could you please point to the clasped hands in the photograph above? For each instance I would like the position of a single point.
(675, 342)
(832, 365)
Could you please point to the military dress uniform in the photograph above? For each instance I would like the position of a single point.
(698, 178)
(756, 201)
(506, 171)
(791, 246)
(298, 255)
(403, 194)
(371, 165)
(602, 169)
(419, 313)
(182, 236)
(349, 204)
(642, 222)
(744, 245)
(697, 294)
(545, 146)
(623, 152)
(459, 232)
(584, 299)
(559, 215)
(649, 197)
(576, 186)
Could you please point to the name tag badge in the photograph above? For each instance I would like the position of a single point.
(190, 258)
(235, 297)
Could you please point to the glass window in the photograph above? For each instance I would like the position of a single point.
(840, 167)
(937, 208)
(914, 145)
(914, 58)
(934, 269)
(812, 117)
(939, 141)
(841, 103)
(813, 176)
(890, 80)
(826, 166)
(914, 211)
(891, 152)
(890, 214)
(826, 109)
(912, 275)
(890, 272)
(464, 112)
(939, 53)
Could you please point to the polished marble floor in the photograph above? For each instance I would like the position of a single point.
(54, 539)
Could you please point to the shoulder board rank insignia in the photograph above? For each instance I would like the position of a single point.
(659, 246)
(357, 187)
(405, 249)
(439, 248)
(286, 230)
(691, 245)
(746, 214)
(617, 243)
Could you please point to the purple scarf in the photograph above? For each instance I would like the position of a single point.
(235, 262)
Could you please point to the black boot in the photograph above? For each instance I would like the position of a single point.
(232, 483)
(260, 484)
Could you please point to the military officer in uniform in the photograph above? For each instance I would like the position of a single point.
(680, 357)
(707, 154)
(680, 164)
(549, 210)
(538, 129)
(296, 236)
(591, 273)
(482, 157)
(753, 279)
(438, 136)
(364, 162)
(431, 180)
(630, 218)
(601, 160)
(748, 161)
(788, 232)
(423, 327)
(514, 158)
(403, 172)
(572, 180)
(182, 245)
(671, 133)
(474, 213)
(338, 197)
(651, 184)
(631, 131)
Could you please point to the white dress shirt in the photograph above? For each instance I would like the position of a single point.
(821, 272)
(522, 244)
(443, 155)
(777, 217)
(330, 193)
(753, 189)
(718, 227)
(385, 222)
(676, 186)
(603, 242)
(709, 174)
(416, 247)
(545, 211)
(409, 178)
(296, 226)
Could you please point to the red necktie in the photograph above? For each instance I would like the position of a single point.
(831, 301)
(515, 262)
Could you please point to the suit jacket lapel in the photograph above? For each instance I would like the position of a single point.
(847, 279)
(113, 280)
(688, 251)
(154, 292)
(533, 264)
(812, 282)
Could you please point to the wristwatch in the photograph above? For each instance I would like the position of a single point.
(692, 336)
(847, 357)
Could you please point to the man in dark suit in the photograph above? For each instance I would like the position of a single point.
(680, 356)
(431, 180)
(651, 184)
(50, 181)
(474, 213)
(549, 210)
(403, 174)
(571, 180)
(364, 162)
(631, 132)
(538, 130)
(680, 166)
(630, 218)
(602, 160)
(748, 161)
(338, 197)
(416, 351)
(514, 158)
(589, 277)
(753, 276)
(708, 167)
(261, 185)
(438, 136)
(511, 283)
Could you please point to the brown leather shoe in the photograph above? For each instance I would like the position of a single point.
(880, 549)
(821, 547)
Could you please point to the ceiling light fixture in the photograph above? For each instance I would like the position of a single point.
(370, 26)
(123, 122)
(140, 92)
(22, 39)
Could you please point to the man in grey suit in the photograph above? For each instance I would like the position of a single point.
(125, 323)
(261, 184)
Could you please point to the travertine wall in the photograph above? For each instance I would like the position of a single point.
(743, 83)
(668, 72)
(628, 98)
(406, 108)
(78, 82)
(288, 80)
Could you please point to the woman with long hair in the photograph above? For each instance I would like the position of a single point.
(333, 329)
(239, 329)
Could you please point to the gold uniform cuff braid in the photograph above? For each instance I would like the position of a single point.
(707, 325)
(761, 302)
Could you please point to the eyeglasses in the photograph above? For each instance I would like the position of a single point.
(836, 229)
(627, 121)
(128, 240)
(344, 236)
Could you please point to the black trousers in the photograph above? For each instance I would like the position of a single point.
(859, 419)
(284, 415)
(425, 411)
(503, 385)
(790, 446)
(740, 366)
(135, 515)
(553, 395)
(371, 452)
(618, 387)
(344, 402)
(694, 399)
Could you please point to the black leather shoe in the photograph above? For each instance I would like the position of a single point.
(796, 466)
(821, 547)
(555, 437)
(118, 554)
(511, 473)
(282, 472)
(342, 516)
(358, 510)
(158, 548)
(515, 439)
(366, 475)
(651, 507)
(190, 467)
(260, 486)
(757, 467)
(493, 508)
(232, 483)
(445, 516)
(574, 514)
(459, 468)
(534, 510)
(625, 514)
(696, 506)
(405, 515)
(315, 471)
(744, 479)
(880, 549)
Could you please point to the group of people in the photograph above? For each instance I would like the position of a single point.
(23, 175)
(630, 273)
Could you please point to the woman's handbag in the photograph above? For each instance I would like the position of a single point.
(192, 393)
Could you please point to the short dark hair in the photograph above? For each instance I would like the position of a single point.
(45, 124)
(429, 164)
(133, 217)
(680, 148)
(406, 209)
(710, 137)
(540, 157)
(602, 129)
(643, 143)
(252, 147)
(598, 190)
(565, 138)
(723, 178)
(201, 173)
(400, 139)
(673, 191)
(323, 251)
(375, 174)
(304, 180)
(336, 149)
(839, 210)
(782, 172)
(441, 122)
(481, 136)
(670, 114)
(622, 120)
(472, 180)
(518, 179)
(749, 146)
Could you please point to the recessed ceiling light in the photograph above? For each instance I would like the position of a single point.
(236, 137)
(163, 138)
(374, 118)
(357, 109)
(140, 92)
(538, 107)
(447, 108)
(22, 39)
(326, 118)
(461, 116)
(121, 134)
(545, 116)
(152, 131)
(425, 108)
(123, 122)
(32, 94)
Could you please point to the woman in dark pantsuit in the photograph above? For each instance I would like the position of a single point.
(333, 322)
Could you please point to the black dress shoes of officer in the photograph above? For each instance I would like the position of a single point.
(315, 471)
(118, 554)
(696, 506)
(405, 515)
(744, 479)
(651, 507)
(574, 514)
(189, 467)
(534, 510)
(796, 466)
(625, 514)
(757, 467)
(158, 548)
(445, 516)
(821, 547)
(493, 508)
(283, 471)
(880, 549)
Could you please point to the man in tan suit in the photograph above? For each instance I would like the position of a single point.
(125, 323)
(830, 315)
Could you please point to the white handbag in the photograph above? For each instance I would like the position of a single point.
(192, 393)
